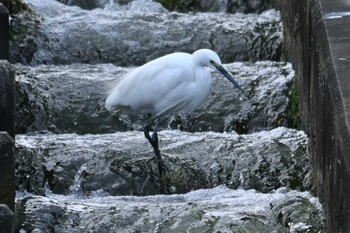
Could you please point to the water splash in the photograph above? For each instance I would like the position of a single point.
(336, 15)
(75, 189)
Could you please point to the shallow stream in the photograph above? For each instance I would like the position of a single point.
(234, 165)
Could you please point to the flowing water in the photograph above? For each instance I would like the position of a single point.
(234, 165)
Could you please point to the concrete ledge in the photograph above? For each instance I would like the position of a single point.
(7, 170)
(7, 220)
(6, 3)
(317, 37)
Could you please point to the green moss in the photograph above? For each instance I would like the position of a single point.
(17, 6)
(294, 120)
(272, 3)
(168, 4)
(171, 4)
(180, 5)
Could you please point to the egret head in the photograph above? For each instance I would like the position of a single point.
(209, 58)
(206, 57)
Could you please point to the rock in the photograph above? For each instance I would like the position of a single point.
(25, 36)
(133, 38)
(208, 210)
(299, 214)
(124, 163)
(145, 6)
(68, 99)
(118, 5)
(231, 6)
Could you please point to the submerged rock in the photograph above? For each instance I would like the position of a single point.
(137, 6)
(88, 5)
(133, 38)
(68, 99)
(232, 6)
(123, 163)
(207, 210)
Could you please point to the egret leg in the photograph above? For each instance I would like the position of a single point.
(154, 142)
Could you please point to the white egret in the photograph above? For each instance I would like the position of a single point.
(172, 83)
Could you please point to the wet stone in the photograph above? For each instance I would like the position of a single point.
(207, 210)
(232, 6)
(70, 99)
(124, 163)
(229, 166)
(110, 39)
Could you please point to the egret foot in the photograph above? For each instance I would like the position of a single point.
(154, 142)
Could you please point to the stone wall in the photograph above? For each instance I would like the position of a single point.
(7, 171)
(4, 32)
(317, 41)
(7, 127)
(7, 98)
(7, 134)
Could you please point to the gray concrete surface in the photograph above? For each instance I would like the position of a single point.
(317, 40)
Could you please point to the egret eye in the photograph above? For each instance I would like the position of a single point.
(213, 63)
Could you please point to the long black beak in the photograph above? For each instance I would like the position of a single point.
(227, 75)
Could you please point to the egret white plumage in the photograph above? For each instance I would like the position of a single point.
(172, 83)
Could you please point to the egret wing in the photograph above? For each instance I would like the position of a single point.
(146, 86)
